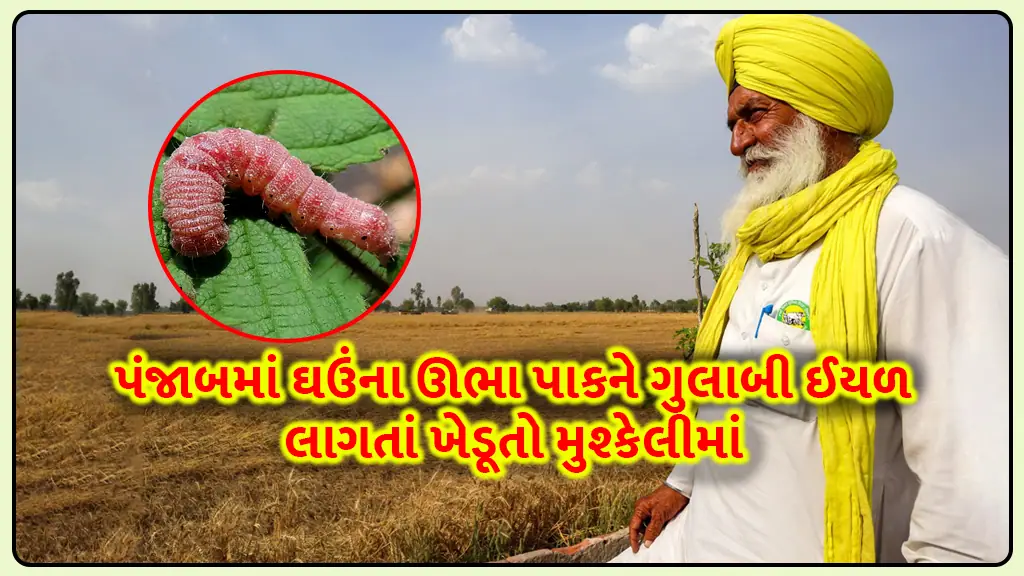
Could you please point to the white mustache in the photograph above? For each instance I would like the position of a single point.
(761, 152)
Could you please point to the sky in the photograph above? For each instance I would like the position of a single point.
(559, 156)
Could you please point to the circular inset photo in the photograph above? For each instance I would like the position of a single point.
(284, 206)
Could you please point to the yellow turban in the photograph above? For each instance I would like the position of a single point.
(812, 64)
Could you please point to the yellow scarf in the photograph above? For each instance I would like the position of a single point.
(843, 209)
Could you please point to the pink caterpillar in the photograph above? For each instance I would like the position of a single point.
(197, 173)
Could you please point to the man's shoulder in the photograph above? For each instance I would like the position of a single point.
(919, 219)
(913, 226)
(911, 211)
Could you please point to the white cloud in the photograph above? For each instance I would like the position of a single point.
(590, 176)
(510, 174)
(491, 38)
(43, 195)
(657, 186)
(484, 179)
(680, 49)
(144, 22)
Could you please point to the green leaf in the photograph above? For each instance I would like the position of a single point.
(317, 121)
(269, 280)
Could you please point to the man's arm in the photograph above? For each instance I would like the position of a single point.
(681, 479)
(945, 311)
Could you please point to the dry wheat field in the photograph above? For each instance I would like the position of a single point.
(101, 480)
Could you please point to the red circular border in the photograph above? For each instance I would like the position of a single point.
(412, 246)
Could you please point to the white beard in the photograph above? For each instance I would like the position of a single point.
(797, 160)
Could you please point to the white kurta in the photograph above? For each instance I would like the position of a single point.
(941, 478)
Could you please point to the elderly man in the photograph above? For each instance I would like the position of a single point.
(831, 252)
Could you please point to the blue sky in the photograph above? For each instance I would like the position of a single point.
(559, 155)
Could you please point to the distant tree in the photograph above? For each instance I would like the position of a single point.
(385, 306)
(87, 304)
(466, 305)
(635, 303)
(44, 301)
(498, 304)
(17, 298)
(31, 302)
(448, 306)
(180, 306)
(408, 305)
(457, 295)
(144, 298)
(417, 294)
(428, 305)
(66, 292)
(122, 307)
(108, 307)
(438, 302)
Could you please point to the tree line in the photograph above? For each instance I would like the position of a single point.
(713, 260)
(143, 299)
(66, 298)
(457, 302)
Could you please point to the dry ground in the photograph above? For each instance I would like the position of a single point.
(101, 480)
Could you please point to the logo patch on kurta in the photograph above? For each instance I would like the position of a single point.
(795, 313)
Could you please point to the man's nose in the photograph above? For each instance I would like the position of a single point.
(742, 138)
